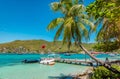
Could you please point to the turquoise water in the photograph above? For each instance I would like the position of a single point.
(39, 71)
(12, 68)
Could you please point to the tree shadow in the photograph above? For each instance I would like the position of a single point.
(62, 76)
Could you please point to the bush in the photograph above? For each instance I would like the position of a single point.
(103, 73)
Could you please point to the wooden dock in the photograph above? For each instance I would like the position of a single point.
(83, 62)
(77, 61)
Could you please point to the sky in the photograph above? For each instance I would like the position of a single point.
(27, 20)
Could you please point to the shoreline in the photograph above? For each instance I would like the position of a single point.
(84, 75)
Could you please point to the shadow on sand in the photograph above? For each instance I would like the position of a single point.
(62, 76)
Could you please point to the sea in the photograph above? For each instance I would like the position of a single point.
(12, 67)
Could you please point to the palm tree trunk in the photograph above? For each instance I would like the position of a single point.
(69, 43)
(68, 48)
(101, 62)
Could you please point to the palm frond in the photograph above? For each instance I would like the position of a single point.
(55, 23)
(55, 6)
(92, 26)
(83, 15)
(58, 33)
(65, 1)
(76, 9)
(76, 1)
(67, 29)
(102, 31)
(78, 35)
(98, 21)
(68, 21)
(63, 10)
(84, 30)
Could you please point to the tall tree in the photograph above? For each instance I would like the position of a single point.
(73, 25)
(108, 13)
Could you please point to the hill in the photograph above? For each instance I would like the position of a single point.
(38, 46)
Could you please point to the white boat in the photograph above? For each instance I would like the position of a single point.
(48, 61)
(111, 54)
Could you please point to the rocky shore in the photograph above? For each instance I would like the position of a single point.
(85, 75)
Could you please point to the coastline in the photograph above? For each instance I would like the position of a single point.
(84, 75)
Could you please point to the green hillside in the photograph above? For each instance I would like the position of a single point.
(35, 46)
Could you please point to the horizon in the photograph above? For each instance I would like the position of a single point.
(24, 19)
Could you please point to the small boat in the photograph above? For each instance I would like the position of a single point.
(111, 54)
(30, 61)
(67, 54)
(48, 61)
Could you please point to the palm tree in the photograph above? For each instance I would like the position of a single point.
(72, 25)
(72, 22)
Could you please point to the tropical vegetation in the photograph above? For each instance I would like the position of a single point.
(108, 47)
(72, 25)
(106, 13)
(103, 73)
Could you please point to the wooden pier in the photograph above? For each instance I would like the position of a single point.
(77, 61)
(83, 62)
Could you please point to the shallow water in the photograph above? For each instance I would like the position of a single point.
(39, 71)
(11, 67)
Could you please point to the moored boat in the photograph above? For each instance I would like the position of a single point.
(67, 54)
(111, 54)
(48, 61)
(30, 61)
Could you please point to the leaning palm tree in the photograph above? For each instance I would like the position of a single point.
(74, 25)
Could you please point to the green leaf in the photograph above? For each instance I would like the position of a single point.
(55, 23)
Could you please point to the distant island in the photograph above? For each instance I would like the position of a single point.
(39, 46)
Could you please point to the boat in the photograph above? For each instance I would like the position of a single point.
(67, 54)
(48, 61)
(30, 61)
(111, 54)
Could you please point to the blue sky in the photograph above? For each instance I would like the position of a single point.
(27, 19)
